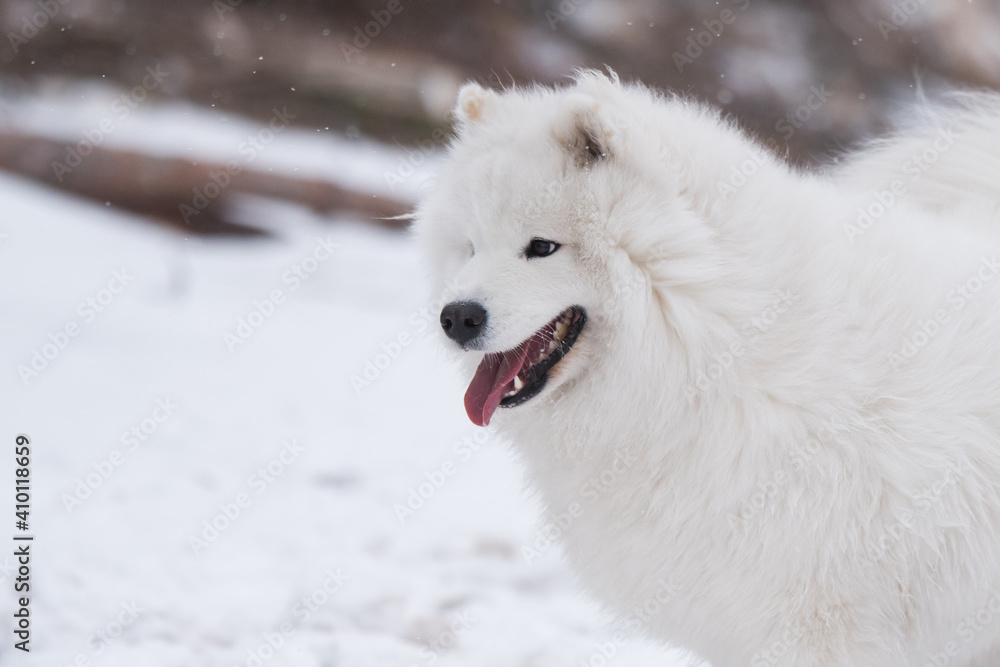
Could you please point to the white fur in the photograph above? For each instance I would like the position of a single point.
(732, 420)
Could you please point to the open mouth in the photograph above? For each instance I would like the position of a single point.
(510, 378)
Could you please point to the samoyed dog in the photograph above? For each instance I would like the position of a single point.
(762, 406)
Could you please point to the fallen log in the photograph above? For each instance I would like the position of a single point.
(190, 196)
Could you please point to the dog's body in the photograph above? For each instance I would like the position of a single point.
(772, 432)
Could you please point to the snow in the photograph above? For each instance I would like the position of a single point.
(323, 523)
(94, 113)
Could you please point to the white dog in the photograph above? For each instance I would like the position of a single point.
(762, 406)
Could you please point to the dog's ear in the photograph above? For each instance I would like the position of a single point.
(474, 102)
(585, 135)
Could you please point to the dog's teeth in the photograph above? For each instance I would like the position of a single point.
(518, 384)
(509, 394)
(553, 344)
(561, 328)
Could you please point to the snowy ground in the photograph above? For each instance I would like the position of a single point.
(317, 562)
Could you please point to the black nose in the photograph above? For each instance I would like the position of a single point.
(463, 320)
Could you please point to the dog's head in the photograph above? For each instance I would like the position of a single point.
(546, 230)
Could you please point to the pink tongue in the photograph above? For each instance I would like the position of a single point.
(494, 378)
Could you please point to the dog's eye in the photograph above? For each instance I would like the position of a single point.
(540, 248)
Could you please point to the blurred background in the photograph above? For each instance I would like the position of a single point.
(247, 446)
